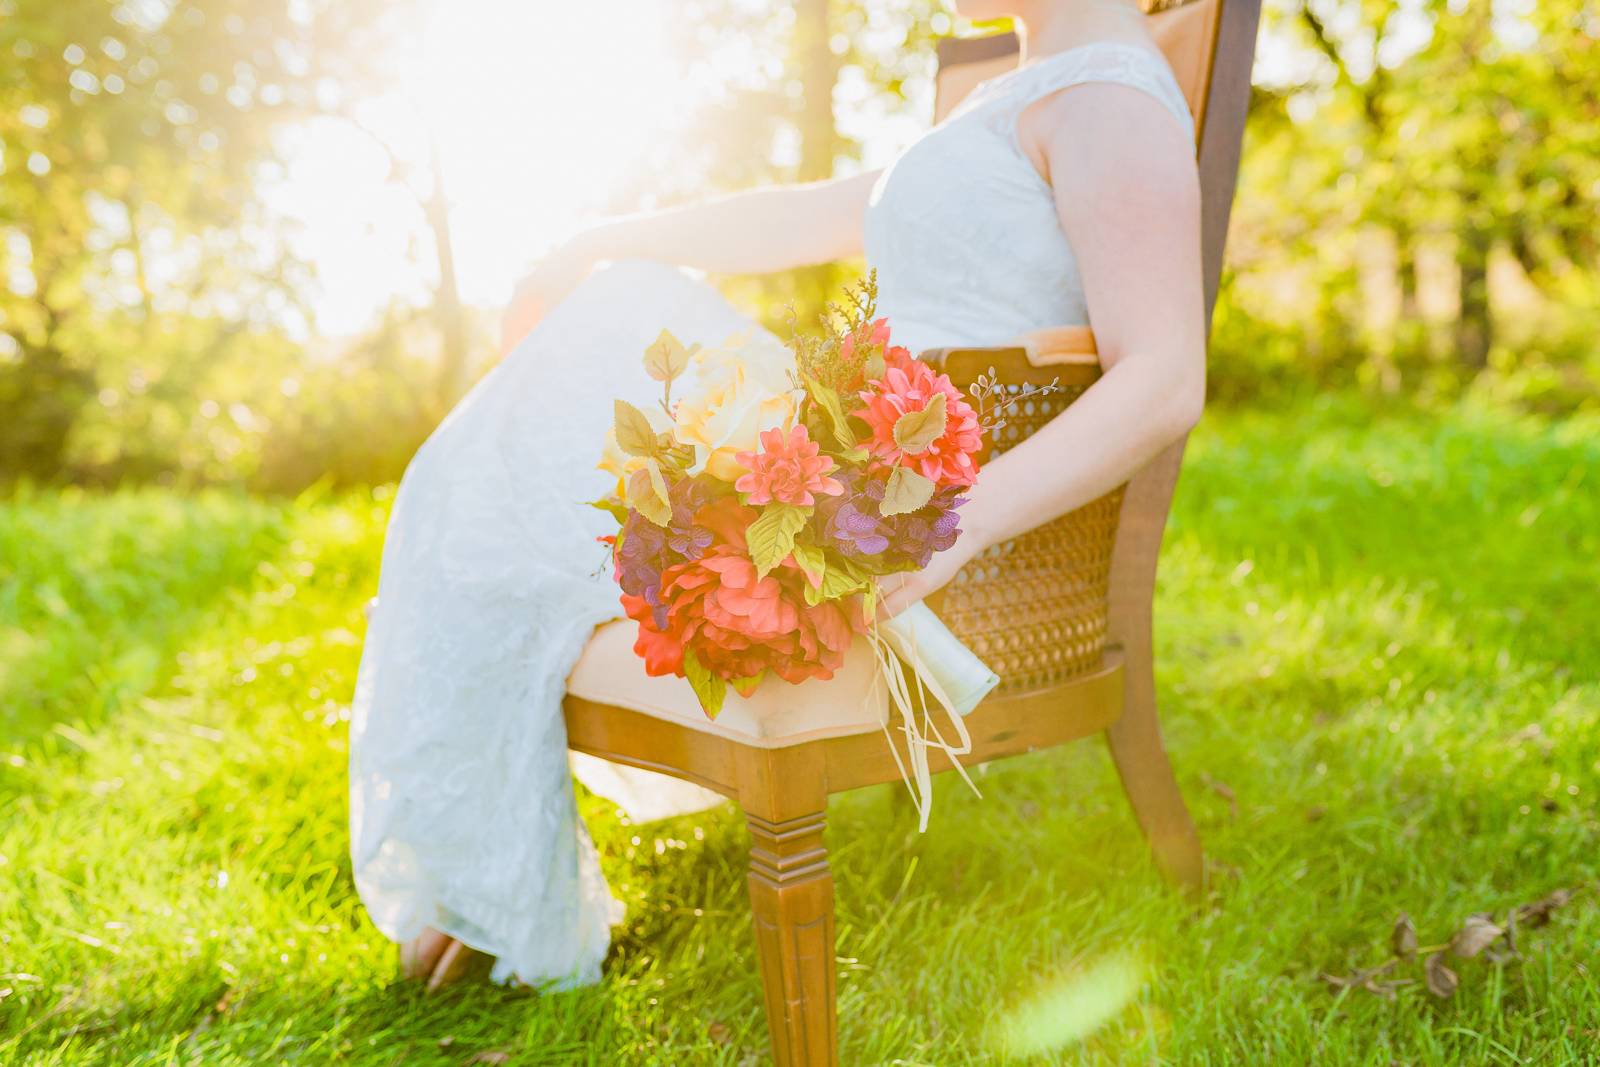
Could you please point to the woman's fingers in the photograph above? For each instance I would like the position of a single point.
(551, 282)
(899, 591)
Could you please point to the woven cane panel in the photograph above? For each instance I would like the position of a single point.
(1034, 608)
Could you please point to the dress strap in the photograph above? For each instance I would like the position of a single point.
(1101, 61)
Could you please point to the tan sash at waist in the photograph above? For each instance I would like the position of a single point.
(1060, 345)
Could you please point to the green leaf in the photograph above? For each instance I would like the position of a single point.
(828, 400)
(647, 494)
(906, 492)
(874, 368)
(916, 430)
(747, 686)
(667, 357)
(673, 457)
(812, 563)
(611, 506)
(635, 435)
(771, 536)
(712, 689)
(840, 580)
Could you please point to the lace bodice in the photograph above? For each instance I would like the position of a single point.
(963, 231)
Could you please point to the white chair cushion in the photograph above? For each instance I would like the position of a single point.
(777, 714)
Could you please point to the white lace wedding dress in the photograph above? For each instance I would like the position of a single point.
(462, 813)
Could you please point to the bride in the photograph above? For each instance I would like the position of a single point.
(1062, 192)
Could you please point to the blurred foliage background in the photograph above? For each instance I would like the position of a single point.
(1416, 215)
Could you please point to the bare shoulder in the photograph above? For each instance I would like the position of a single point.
(1105, 132)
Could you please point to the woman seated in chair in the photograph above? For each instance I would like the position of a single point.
(1062, 192)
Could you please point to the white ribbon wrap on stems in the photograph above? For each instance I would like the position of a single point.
(941, 660)
(941, 668)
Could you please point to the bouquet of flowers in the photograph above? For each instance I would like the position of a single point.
(761, 500)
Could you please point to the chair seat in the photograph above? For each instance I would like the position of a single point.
(777, 714)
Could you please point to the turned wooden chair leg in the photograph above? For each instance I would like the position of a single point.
(1147, 778)
(791, 898)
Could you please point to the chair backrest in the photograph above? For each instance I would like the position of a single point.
(1210, 45)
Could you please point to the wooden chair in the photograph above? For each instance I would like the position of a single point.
(1062, 613)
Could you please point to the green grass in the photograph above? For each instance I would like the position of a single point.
(1377, 630)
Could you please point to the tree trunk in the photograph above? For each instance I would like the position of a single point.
(447, 296)
(1473, 323)
(819, 70)
(810, 288)
(1405, 258)
(40, 399)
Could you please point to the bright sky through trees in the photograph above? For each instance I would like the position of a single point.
(541, 111)
(537, 113)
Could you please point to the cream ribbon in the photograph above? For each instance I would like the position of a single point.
(903, 649)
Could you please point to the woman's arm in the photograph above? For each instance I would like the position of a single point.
(1128, 197)
(754, 232)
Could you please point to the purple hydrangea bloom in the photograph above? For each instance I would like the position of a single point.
(854, 526)
(683, 536)
(641, 558)
(857, 533)
(929, 529)
(647, 550)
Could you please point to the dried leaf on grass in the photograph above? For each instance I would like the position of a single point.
(719, 1033)
(1403, 938)
(1442, 981)
(1367, 978)
(1475, 935)
(490, 1056)
(1479, 935)
(1538, 913)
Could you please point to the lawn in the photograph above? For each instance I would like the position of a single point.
(1381, 684)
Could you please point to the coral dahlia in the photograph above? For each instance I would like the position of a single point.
(909, 385)
(788, 469)
(740, 625)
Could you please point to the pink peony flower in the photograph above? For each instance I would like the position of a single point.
(908, 385)
(787, 469)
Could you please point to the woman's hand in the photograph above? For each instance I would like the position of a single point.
(900, 591)
(549, 283)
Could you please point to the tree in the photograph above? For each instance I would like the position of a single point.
(1452, 129)
(133, 137)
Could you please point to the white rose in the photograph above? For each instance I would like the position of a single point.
(728, 396)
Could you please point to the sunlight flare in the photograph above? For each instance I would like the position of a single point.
(1070, 1009)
